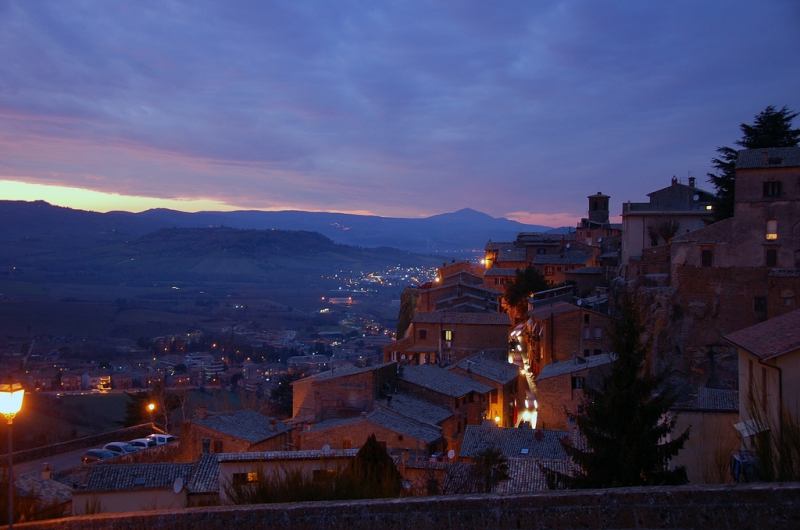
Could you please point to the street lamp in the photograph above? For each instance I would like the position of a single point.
(11, 395)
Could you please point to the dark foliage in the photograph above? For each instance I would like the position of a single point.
(281, 395)
(771, 128)
(526, 281)
(625, 423)
(491, 468)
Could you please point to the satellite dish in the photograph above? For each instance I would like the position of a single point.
(177, 486)
(451, 454)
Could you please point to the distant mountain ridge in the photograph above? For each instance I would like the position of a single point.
(461, 230)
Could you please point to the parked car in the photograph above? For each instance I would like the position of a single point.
(162, 439)
(95, 455)
(143, 443)
(120, 448)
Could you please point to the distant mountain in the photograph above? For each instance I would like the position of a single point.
(448, 232)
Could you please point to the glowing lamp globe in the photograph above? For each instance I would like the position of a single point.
(11, 399)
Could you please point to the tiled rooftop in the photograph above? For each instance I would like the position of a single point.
(452, 317)
(263, 456)
(711, 399)
(46, 491)
(558, 308)
(771, 338)
(501, 271)
(519, 443)
(343, 371)
(768, 157)
(244, 424)
(404, 425)
(494, 369)
(441, 380)
(571, 257)
(574, 365)
(115, 477)
(420, 409)
(205, 475)
(526, 475)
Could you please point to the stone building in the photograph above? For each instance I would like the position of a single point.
(670, 212)
(466, 399)
(559, 388)
(243, 430)
(446, 337)
(742, 270)
(392, 429)
(507, 383)
(769, 373)
(150, 486)
(710, 413)
(561, 331)
(457, 291)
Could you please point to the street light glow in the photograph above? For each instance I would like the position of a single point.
(11, 395)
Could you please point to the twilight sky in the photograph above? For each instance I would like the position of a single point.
(401, 108)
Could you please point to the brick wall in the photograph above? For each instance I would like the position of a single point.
(721, 507)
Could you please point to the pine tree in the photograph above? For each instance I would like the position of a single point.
(626, 423)
(373, 472)
(771, 128)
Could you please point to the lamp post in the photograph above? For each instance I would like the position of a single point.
(11, 395)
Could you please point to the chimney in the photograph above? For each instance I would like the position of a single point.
(674, 180)
(47, 472)
(691, 182)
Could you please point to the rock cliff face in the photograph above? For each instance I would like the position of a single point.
(682, 337)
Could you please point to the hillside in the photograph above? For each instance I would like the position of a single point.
(445, 233)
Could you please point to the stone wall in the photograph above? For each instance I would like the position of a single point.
(720, 507)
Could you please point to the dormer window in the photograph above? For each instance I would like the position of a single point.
(772, 188)
(772, 230)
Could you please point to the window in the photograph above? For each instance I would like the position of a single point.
(217, 446)
(548, 270)
(587, 332)
(493, 396)
(423, 334)
(586, 319)
(772, 188)
(597, 352)
(706, 257)
(447, 335)
(578, 382)
(598, 333)
(772, 230)
(245, 478)
(399, 437)
(586, 352)
(760, 307)
(771, 257)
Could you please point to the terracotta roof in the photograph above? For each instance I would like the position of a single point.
(388, 419)
(570, 257)
(115, 477)
(501, 271)
(574, 365)
(451, 317)
(205, 475)
(557, 308)
(244, 424)
(46, 491)
(711, 399)
(769, 339)
(514, 443)
(419, 409)
(263, 456)
(525, 475)
(441, 380)
(768, 157)
(493, 369)
(343, 371)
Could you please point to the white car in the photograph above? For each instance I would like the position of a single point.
(162, 439)
(120, 448)
(143, 443)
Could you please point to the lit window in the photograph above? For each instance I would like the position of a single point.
(772, 230)
(448, 335)
(773, 189)
(709, 207)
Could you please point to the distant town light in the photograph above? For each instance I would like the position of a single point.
(709, 207)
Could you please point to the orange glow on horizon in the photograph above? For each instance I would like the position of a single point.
(102, 201)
